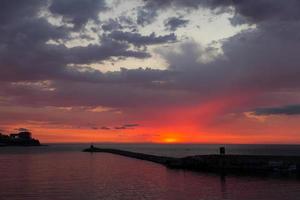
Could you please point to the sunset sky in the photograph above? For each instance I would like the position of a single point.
(162, 71)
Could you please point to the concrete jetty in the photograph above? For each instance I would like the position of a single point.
(237, 164)
(141, 156)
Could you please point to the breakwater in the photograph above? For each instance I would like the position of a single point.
(153, 158)
(238, 164)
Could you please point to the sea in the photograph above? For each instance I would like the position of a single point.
(64, 172)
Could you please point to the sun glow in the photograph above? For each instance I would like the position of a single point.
(170, 140)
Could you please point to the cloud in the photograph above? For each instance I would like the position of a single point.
(95, 53)
(146, 16)
(148, 13)
(126, 126)
(13, 10)
(284, 110)
(174, 23)
(22, 129)
(105, 128)
(27, 37)
(78, 12)
(111, 25)
(211, 4)
(141, 40)
(244, 11)
(120, 127)
(265, 10)
(131, 125)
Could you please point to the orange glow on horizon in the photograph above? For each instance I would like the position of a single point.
(170, 140)
(205, 123)
(158, 136)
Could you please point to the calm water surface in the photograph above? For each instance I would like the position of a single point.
(63, 172)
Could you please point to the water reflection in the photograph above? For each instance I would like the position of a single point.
(223, 187)
(75, 175)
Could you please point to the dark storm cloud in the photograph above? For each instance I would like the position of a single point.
(261, 10)
(174, 23)
(26, 55)
(50, 61)
(13, 10)
(284, 110)
(78, 12)
(141, 40)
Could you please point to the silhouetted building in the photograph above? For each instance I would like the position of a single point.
(222, 150)
(19, 139)
(25, 135)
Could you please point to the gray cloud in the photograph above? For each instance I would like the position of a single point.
(284, 110)
(13, 10)
(120, 23)
(141, 40)
(265, 10)
(111, 25)
(126, 126)
(146, 16)
(105, 128)
(245, 11)
(211, 4)
(108, 48)
(131, 125)
(24, 46)
(148, 13)
(120, 127)
(174, 23)
(78, 12)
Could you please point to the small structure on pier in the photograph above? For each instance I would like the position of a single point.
(92, 146)
(222, 150)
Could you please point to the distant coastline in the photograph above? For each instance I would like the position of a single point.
(23, 138)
